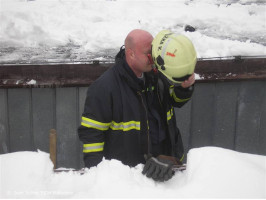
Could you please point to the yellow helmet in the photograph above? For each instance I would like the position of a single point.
(174, 55)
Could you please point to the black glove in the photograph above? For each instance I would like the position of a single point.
(159, 169)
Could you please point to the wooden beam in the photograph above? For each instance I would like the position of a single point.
(78, 75)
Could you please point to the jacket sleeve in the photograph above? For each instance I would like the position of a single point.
(95, 121)
(179, 95)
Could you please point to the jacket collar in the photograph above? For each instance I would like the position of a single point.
(126, 72)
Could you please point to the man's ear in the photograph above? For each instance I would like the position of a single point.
(131, 53)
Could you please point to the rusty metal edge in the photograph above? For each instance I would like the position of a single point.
(82, 75)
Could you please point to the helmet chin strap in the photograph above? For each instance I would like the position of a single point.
(174, 84)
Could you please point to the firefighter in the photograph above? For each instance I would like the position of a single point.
(129, 110)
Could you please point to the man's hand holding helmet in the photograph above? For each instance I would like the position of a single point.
(189, 82)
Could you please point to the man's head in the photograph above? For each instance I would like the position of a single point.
(137, 47)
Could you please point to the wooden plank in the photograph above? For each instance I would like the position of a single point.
(78, 75)
(52, 146)
(20, 121)
(43, 116)
(4, 135)
(203, 115)
(251, 100)
(225, 116)
(63, 75)
(66, 126)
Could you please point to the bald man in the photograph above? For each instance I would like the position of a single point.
(129, 115)
(137, 47)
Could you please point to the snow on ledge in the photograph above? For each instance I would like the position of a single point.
(31, 82)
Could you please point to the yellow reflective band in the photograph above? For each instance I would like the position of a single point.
(125, 126)
(176, 99)
(94, 147)
(149, 89)
(170, 113)
(182, 158)
(90, 123)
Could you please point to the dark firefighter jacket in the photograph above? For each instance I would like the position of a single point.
(115, 122)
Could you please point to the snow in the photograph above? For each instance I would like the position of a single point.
(31, 82)
(198, 77)
(69, 31)
(212, 172)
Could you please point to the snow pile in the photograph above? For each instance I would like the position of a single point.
(24, 172)
(211, 173)
(42, 30)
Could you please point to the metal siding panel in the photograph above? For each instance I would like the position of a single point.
(82, 97)
(183, 122)
(4, 139)
(225, 117)
(19, 111)
(43, 116)
(262, 129)
(67, 138)
(251, 98)
(203, 115)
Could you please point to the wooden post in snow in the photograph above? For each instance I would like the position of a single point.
(52, 142)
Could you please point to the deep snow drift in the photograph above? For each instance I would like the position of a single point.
(211, 173)
(34, 31)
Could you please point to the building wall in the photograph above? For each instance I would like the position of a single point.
(231, 115)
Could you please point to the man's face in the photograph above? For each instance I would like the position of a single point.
(141, 60)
